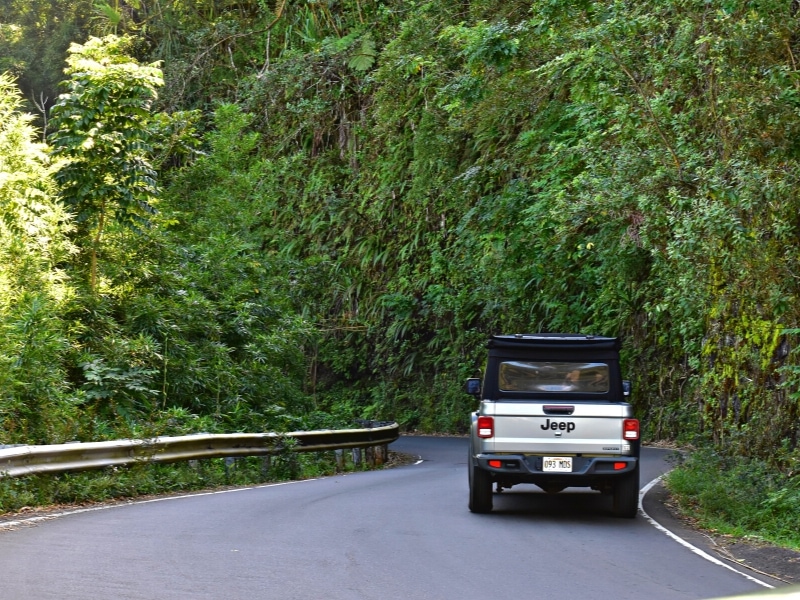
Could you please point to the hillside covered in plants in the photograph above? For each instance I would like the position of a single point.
(251, 215)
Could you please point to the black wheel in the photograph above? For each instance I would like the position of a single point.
(480, 489)
(626, 495)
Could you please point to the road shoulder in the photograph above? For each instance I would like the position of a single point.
(772, 564)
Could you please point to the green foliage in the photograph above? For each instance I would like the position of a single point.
(231, 343)
(357, 194)
(503, 167)
(34, 404)
(35, 407)
(150, 478)
(33, 226)
(102, 136)
(34, 38)
(735, 496)
(190, 318)
(364, 59)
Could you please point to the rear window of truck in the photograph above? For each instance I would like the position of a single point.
(550, 376)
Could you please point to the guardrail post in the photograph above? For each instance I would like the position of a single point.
(370, 452)
(339, 454)
(381, 454)
(266, 463)
(229, 462)
(356, 457)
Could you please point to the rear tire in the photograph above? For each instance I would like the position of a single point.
(626, 495)
(480, 489)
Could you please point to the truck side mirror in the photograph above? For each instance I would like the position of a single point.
(473, 386)
(626, 388)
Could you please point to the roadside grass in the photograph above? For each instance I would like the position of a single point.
(744, 498)
(148, 479)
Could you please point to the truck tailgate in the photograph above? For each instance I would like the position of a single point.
(527, 428)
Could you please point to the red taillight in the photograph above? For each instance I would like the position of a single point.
(618, 466)
(630, 429)
(495, 463)
(485, 427)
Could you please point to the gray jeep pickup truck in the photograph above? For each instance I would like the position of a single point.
(553, 412)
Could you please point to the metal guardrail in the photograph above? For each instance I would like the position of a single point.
(61, 458)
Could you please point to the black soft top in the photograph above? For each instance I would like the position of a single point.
(553, 341)
(569, 347)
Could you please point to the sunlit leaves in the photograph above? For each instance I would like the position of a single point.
(33, 289)
(33, 226)
(102, 136)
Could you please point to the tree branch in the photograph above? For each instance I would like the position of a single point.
(235, 36)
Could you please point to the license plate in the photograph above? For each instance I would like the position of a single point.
(557, 464)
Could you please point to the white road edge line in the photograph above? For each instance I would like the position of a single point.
(58, 515)
(683, 542)
(66, 513)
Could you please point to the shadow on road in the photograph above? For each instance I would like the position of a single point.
(529, 500)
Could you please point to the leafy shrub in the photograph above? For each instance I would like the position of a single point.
(740, 496)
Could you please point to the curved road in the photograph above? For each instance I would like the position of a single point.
(391, 534)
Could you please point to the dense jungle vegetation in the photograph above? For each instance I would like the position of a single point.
(248, 215)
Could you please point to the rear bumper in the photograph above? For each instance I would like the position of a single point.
(586, 470)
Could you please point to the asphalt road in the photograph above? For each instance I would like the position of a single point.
(391, 534)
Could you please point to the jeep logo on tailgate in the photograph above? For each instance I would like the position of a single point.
(558, 426)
